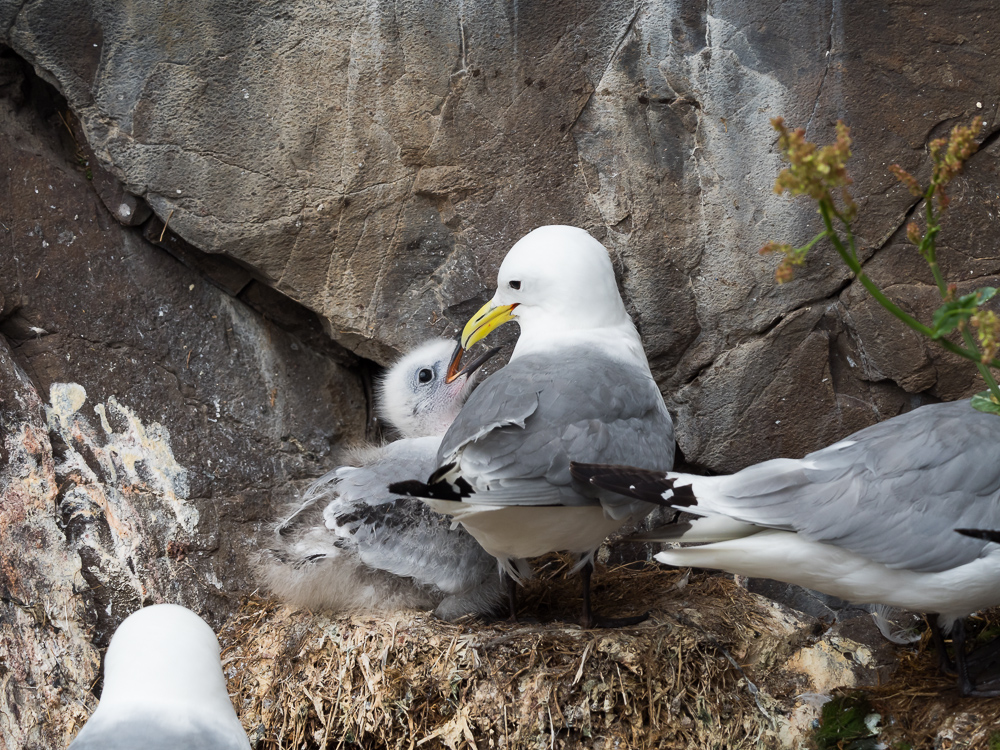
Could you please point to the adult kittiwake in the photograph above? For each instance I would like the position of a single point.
(870, 519)
(163, 688)
(351, 545)
(578, 387)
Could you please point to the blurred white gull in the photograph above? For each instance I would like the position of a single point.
(351, 545)
(163, 688)
(870, 519)
(578, 387)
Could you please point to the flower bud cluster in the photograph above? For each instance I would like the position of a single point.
(815, 171)
(987, 325)
(792, 257)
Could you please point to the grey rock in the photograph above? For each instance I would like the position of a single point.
(376, 162)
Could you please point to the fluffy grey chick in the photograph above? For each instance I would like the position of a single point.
(351, 545)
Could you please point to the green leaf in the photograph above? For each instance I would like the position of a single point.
(984, 402)
(986, 293)
(847, 722)
(950, 314)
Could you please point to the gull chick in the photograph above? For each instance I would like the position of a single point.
(163, 688)
(899, 513)
(352, 545)
(577, 388)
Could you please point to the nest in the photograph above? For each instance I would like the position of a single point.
(709, 669)
(309, 681)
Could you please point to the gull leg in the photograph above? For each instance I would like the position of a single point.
(511, 595)
(958, 641)
(511, 585)
(588, 620)
(945, 664)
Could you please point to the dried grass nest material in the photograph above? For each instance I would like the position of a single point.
(304, 680)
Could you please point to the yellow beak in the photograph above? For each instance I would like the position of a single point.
(481, 324)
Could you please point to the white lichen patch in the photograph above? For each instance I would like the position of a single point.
(151, 446)
(49, 661)
(132, 456)
(65, 399)
(830, 664)
(121, 472)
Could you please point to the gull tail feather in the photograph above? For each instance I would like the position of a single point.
(650, 486)
(704, 530)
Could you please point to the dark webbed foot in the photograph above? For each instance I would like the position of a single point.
(589, 620)
(986, 656)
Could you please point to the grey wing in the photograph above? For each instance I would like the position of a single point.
(146, 732)
(893, 492)
(401, 535)
(530, 419)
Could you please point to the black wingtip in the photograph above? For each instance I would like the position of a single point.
(435, 488)
(409, 488)
(439, 474)
(415, 488)
(671, 532)
(641, 484)
(987, 535)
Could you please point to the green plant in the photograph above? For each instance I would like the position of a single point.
(847, 723)
(822, 172)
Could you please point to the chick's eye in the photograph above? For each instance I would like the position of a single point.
(515, 284)
(425, 375)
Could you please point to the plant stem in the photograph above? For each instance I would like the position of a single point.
(928, 246)
(855, 266)
(868, 284)
(809, 245)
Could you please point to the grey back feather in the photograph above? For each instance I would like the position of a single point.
(527, 421)
(893, 492)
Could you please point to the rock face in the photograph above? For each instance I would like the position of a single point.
(374, 162)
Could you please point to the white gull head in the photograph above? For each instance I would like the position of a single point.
(559, 285)
(161, 654)
(163, 667)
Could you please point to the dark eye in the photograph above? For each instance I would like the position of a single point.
(515, 285)
(425, 375)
